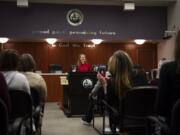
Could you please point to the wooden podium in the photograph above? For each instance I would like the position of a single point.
(77, 91)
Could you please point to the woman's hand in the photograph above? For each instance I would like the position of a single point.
(102, 79)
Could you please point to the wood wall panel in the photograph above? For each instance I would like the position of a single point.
(44, 54)
(146, 58)
(55, 92)
(131, 49)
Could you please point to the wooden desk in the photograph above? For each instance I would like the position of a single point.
(54, 88)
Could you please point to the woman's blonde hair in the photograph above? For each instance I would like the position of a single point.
(79, 61)
(120, 67)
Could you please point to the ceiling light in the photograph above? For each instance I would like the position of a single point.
(51, 40)
(139, 41)
(96, 41)
(22, 3)
(3, 40)
(129, 6)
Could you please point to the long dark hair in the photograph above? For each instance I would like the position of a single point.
(177, 51)
(120, 67)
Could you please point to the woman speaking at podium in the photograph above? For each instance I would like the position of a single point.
(82, 65)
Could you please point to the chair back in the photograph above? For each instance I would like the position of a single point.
(137, 104)
(140, 101)
(175, 119)
(36, 97)
(3, 118)
(21, 104)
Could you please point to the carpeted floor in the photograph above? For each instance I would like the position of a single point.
(56, 123)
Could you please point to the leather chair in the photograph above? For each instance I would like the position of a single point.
(158, 126)
(38, 109)
(3, 118)
(21, 113)
(135, 106)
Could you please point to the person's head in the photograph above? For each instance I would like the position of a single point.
(9, 60)
(81, 59)
(120, 67)
(27, 63)
(139, 77)
(177, 51)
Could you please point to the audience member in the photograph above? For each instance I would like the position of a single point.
(27, 65)
(139, 76)
(154, 81)
(94, 96)
(9, 60)
(82, 64)
(120, 68)
(160, 63)
(138, 79)
(169, 84)
(4, 94)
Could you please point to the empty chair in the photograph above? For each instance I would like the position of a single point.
(21, 110)
(137, 104)
(55, 68)
(3, 118)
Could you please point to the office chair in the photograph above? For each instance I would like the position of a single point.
(21, 112)
(157, 126)
(54, 68)
(135, 106)
(38, 109)
(3, 118)
(138, 103)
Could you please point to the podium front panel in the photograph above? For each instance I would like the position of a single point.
(80, 85)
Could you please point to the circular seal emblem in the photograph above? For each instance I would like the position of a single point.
(87, 83)
(74, 17)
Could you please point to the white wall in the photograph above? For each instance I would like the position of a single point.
(174, 16)
(166, 48)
